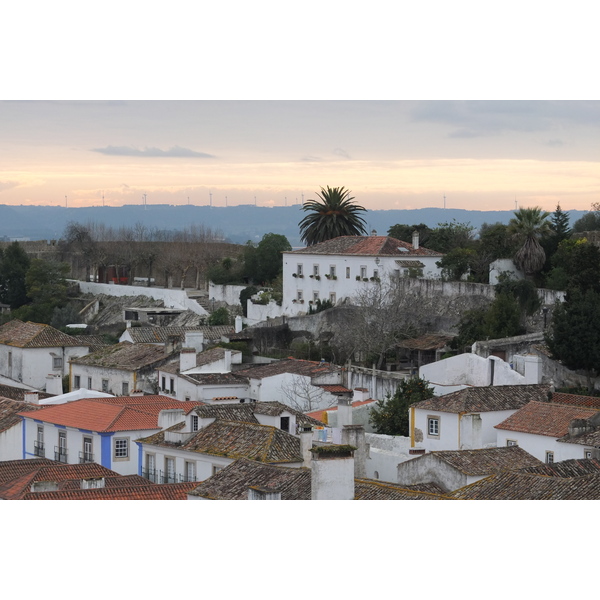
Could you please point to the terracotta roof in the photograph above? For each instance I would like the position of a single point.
(545, 418)
(11, 469)
(17, 393)
(321, 415)
(95, 414)
(9, 412)
(575, 467)
(575, 400)
(410, 264)
(489, 398)
(431, 341)
(93, 342)
(591, 438)
(336, 389)
(373, 245)
(163, 491)
(160, 335)
(124, 356)
(215, 378)
(294, 366)
(235, 439)
(514, 485)
(369, 489)
(34, 335)
(245, 412)
(232, 482)
(486, 460)
(151, 404)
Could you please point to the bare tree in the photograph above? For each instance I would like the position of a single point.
(301, 394)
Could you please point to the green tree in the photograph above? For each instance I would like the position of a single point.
(576, 265)
(245, 295)
(391, 416)
(405, 233)
(448, 236)
(528, 226)
(268, 260)
(457, 263)
(47, 288)
(574, 334)
(589, 222)
(332, 215)
(14, 264)
(219, 317)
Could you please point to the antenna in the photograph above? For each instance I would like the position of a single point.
(444, 199)
(286, 200)
(225, 200)
(302, 198)
(254, 200)
(102, 197)
(66, 203)
(210, 198)
(516, 205)
(188, 200)
(144, 197)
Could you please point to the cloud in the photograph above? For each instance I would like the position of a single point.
(555, 143)
(7, 185)
(341, 152)
(311, 159)
(174, 152)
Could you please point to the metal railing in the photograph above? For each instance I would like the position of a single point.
(39, 449)
(158, 476)
(86, 457)
(60, 454)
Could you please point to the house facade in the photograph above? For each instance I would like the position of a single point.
(341, 267)
(30, 352)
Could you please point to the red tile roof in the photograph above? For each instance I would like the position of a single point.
(545, 418)
(9, 412)
(35, 335)
(295, 366)
(373, 245)
(575, 400)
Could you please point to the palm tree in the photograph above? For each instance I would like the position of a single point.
(529, 225)
(333, 215)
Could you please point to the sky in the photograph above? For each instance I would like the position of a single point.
(391, 154)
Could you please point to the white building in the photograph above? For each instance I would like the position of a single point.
(341, 267)
(11, 427)
(553, 432)
(30, 352)
(101, 430)
(466, 419)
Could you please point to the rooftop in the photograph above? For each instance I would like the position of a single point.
(9, 412)
(161, 335)
(124, 356)
(236, 439)
(35, 335)
(545, 418)
(17, 393)
(486, 460)
(566, 468)
(373, 245)
(488, 398)
(294, 366)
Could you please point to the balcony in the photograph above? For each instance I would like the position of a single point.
(60, 454)
(38, 449)
(85, 457)
(158, 476)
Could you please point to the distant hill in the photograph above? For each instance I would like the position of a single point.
(237, 223)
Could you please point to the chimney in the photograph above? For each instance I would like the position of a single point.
(31, 397)
(238, 324)
(128, 324)
(533, 369)
(354, 435)
(187, 359)
(374, 233)
(137, 393)
(54, 384)
(171, 344)
(305, 433)
(344, 411)
(360, 394)
(44, 486)
(258, 493)
(470, 432)
(415, 238)
(332, 473)
(93, 483)
(194, 339)
(228, 361)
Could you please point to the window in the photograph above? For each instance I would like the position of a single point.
(164, 383)
(511, 443)
(89, 387)
(299, 270)
(172, 385)
(347, 272)
(190, 471)
(86, 455)
(195, 423)
(433, 426)
(216, 469)
(38, 443)
(332, 271)
(285, 424)
(549, 457)
(315, 296)
(332, 297)
(76, 382)
(60, 453)
(57, 362)
(151, 467)
(363, 272)
(300, 296)
(10, 360)
(187, 398)
(105, 386)
(125, 389)
(587, 453)
(121, 449)
(316, 270)
(169, 470)
(375, 272)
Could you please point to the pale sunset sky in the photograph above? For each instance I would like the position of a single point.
(482, 155)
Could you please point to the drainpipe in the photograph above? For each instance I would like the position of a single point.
(412, 426)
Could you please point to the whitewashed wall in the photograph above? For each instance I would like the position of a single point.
(229, 294)
(115, 377)
(172, 298)
(11, 443)
(385, 453)
(538, 445)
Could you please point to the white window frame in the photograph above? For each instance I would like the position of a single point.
(332, 270)
(347, 272)
(315, 296)
(300, 296)
(433, 426)
(511, 443)
(316, 270)
(549, 457)
(125, 388)
(89, 386)
(76, 382)
(332, 298)
(195, 423)
(105, 386)
(121, 449)
(299, 270)
(190, 470)
(363, 272)
(57, 362)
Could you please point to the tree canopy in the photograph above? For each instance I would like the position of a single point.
(390, 416)
(14, 264)
(332, 215)
(528, 226)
